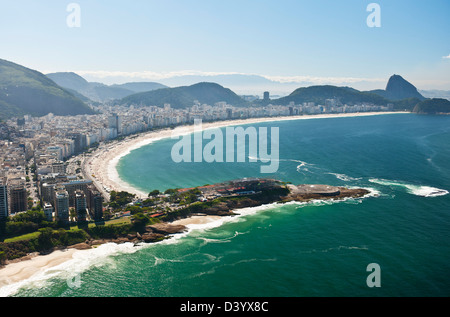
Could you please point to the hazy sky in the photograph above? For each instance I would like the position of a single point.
(284, 39)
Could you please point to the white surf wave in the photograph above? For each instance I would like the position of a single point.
(300, 166)
(339, 248)
(344, 177)
(418, 190)
(103, 255)
(80, 262)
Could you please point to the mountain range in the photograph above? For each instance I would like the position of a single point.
(26, 91)
(100, 92)
(185, 96)
(399, 92)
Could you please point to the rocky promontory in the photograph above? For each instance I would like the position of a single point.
(310, 192)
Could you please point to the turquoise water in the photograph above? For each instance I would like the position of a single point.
(316, 249)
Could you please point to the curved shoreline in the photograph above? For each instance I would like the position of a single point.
(103, 162)
(37, 268)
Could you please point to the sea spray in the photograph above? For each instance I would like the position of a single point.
(418, 190)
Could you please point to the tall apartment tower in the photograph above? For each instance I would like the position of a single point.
(3, 198)
(115, 122)
(80, 205)
(62, 205)
(95, 203)
(17, 197)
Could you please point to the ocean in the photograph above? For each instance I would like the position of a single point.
(320, 248)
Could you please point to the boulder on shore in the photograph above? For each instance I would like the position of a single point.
(81, 246)
(152, 237)
(166, 228)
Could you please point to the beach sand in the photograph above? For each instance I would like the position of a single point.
(23, 270)
(102, 164)
(196, 220)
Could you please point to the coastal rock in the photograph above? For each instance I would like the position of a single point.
(120, 240)
(80, 246)
(152, 237)
(97, 242)
(132, 236)
(165, 228)
(309, 192)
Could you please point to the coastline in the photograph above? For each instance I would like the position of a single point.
(23, 269)
(17, 272)
(102, 163)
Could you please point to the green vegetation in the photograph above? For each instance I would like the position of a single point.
(182, 97)
(433, 106)
(406, 104)
(43, 241)
(27, 236)
(120, 199)
(48, 238)
(319, 94)
(25, 223)
(25, 91)
(154, 193)
(109, 232)
(30, 232)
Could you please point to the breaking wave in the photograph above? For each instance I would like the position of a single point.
(418, 190)
(344, 177)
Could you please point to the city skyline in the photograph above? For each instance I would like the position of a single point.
(320, 42)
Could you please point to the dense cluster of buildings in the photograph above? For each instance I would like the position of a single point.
(34, 150)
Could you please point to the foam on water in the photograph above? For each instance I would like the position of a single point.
(344, 177)
(102, 255)
(418, 190)
(80, 262)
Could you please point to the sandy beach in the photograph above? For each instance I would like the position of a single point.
(17, 272)
(100, 167)
(23, 270)
(196, 220)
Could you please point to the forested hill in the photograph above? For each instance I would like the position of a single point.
(183, 97)
(433, 106)
(26, 91)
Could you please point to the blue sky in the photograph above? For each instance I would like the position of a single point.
(283, 39)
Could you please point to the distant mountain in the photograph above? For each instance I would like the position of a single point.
(433, 106)
(26, 91)
(140, 86)
(319, 95)
(402, 94)
(69, 80)
(398, 88)
(97, 91)
(182, 97)
(225, 80)
(444, 94)
(242, 84)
